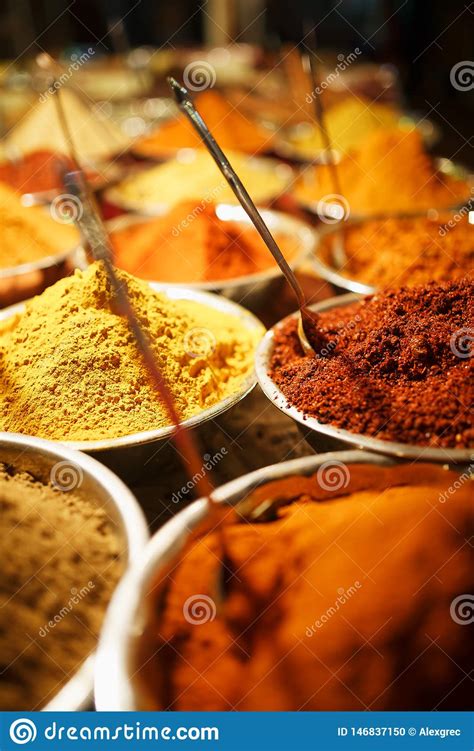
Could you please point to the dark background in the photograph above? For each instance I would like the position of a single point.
(424, 39)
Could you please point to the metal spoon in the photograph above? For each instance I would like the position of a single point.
(310, 338)
(310, 62)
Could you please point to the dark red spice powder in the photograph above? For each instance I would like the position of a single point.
(397, 365)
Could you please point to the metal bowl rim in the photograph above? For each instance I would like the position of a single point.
(377, 445)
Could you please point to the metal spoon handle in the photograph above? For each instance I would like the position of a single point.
(320, 111)
(184, 102)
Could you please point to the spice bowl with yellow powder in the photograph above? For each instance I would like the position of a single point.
(70, 529)
(193, 176)
(334, 563)
(71, 371)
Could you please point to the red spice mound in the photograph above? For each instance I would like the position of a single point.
(396, 366)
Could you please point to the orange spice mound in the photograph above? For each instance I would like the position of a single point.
(409, 251)
(228, 125)
(389, 173)
(191, 244)
(344, 602)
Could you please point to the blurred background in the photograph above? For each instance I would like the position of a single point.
(424, 40)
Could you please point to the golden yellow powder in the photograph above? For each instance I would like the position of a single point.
(69, 367)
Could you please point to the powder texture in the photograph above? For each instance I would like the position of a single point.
(388, 173)
(395, 366)
(29, 233)
(196, 177)
(348, 122)
(400, 252)
(342, 604)
(228, 125)
(191, 244)
(61, 560)
(71, 371)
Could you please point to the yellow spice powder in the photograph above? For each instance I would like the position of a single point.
(70, 370)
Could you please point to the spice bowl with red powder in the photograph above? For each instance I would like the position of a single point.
(211, 247)
(394, 375)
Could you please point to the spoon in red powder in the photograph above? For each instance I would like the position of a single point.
(308, 326)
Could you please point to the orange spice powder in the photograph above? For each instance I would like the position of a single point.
(341, 603)
(389, 173)
(191, 244)
(229, 126)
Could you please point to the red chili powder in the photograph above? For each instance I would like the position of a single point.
(38, 171)
(397, 366)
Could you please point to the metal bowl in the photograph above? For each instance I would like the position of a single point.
(444, 166)
(112, 451)
(107, 491)
(252, 288)
(123, 623)
(324, 435)
(260, 164)
(325, 265)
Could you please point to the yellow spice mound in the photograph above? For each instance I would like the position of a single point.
(69, 367)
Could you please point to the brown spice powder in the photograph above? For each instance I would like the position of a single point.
(396, 366)
(61, 560)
